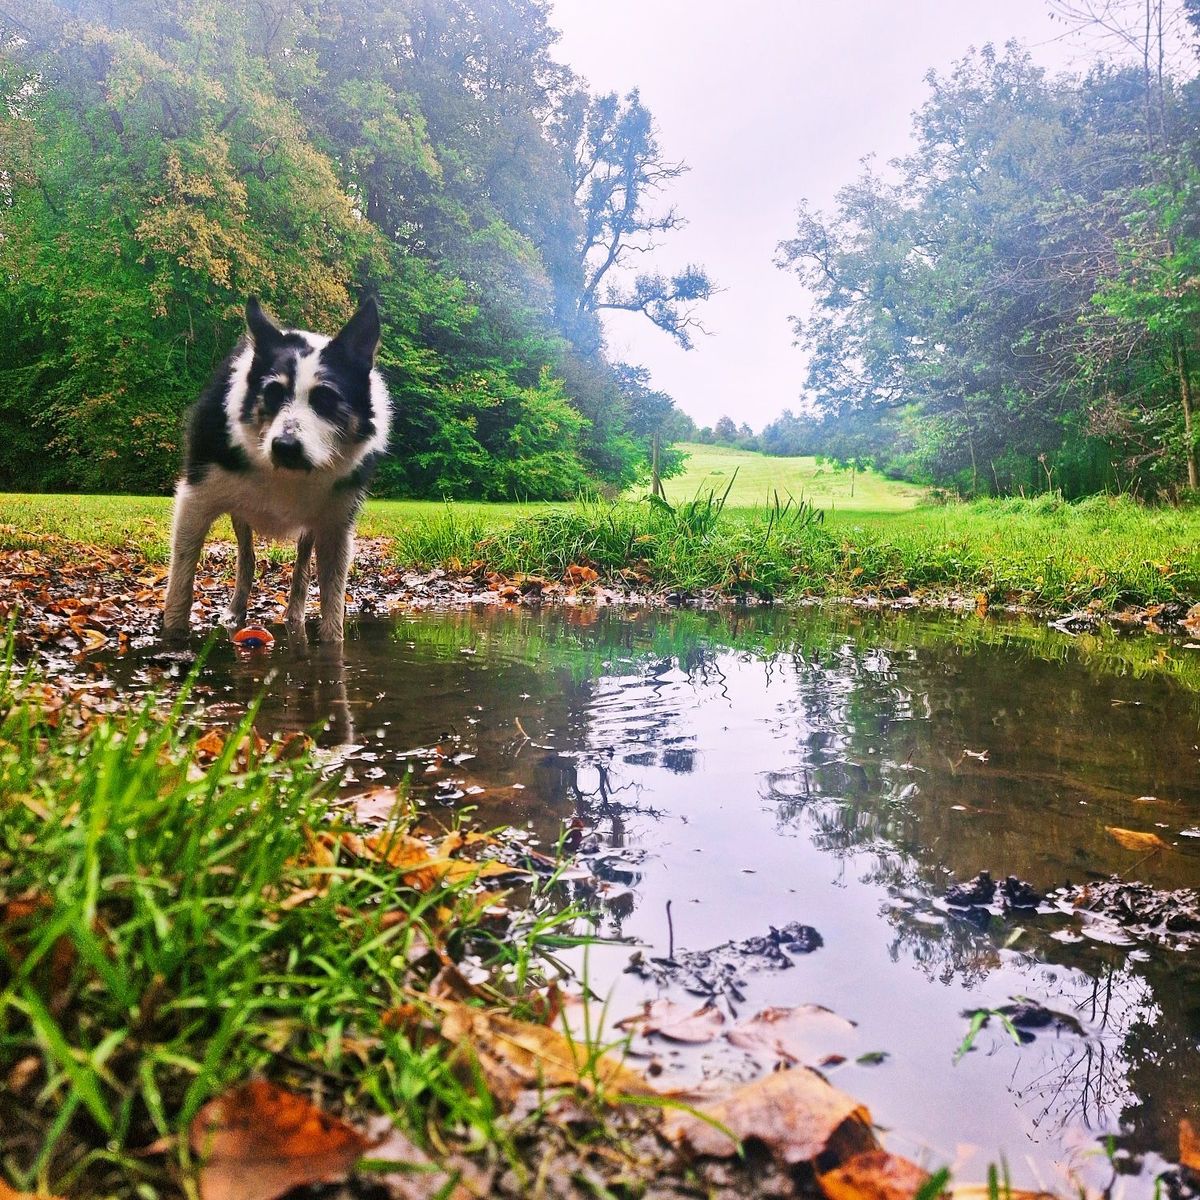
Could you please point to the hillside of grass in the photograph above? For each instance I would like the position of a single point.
(757, 477)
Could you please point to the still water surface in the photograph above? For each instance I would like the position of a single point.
(837, 770)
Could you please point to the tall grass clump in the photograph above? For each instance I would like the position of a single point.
(695, 545)
(166, 930)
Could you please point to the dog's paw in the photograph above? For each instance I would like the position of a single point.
(330, 635)
(176, 635)
(232, 620)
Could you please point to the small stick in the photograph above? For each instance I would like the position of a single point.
(670, 934)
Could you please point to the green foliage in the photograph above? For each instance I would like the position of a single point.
(169, 159)
(1013, 306)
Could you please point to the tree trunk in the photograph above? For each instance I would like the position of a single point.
(1185, 398)
(656, 487)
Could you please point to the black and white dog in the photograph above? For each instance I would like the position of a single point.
(284, 440)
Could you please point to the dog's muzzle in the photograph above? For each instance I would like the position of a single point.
(287, 451)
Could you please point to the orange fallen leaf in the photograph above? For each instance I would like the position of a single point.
(1189, 1145)
(795, 1113)
(578, 574)
(677, 1022)
(258, 1141)
(873, 1175)
(8, 1193)
(1133, 839)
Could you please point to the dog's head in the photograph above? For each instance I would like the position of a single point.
(308, 403)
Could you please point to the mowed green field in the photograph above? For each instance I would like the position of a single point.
(756, 478)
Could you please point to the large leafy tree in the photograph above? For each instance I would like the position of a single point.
(167, 158)
(964, 302)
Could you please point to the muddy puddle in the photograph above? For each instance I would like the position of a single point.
(837, 771)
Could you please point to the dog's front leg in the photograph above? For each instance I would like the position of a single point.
(298, 593)
(234, 617)
(190, 522)
(335, 545)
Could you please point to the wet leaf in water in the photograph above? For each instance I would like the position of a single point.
(678, 1022)
(258, 1141)
(874, 1175)
(795, 1113)
(376, 807)
(1132, 839)
(808, 1033)
(1189, 1146)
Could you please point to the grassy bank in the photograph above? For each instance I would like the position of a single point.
(1041, 551)
(179, 914)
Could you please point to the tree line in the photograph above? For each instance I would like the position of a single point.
(1014, 304)
(162, 159)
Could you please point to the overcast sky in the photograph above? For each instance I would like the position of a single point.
(769, 101)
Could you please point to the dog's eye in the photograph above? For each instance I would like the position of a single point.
(274, 395)
(326, 403)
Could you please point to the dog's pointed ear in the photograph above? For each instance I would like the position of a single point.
(359, 337)
(263, 330)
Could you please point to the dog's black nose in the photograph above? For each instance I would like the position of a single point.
(287, 451)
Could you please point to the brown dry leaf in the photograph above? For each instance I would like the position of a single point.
(875, 1175)
(1132, 839)
(796, 1114)
(92, 639)
(421, 864)
(808, 1033)
(514, 1055)
(677, 1021)
(578, 574)
(258, 1141)
(1189, 1145)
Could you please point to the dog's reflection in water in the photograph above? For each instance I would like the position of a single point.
(303, 690)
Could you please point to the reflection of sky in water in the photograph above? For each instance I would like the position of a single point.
(836, 775)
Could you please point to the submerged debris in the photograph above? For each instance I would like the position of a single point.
(1138, 910)
(719, 971)
(982, 891)
(977, 891)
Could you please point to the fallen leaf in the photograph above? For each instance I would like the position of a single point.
(803, 1034)
(677, 1022)
(1132, 839)
(514, 1055)
(874, 1175)
(1189, 1145)
(8, 1193)
(578, 574)
(795, 1113)
(258, 1141)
